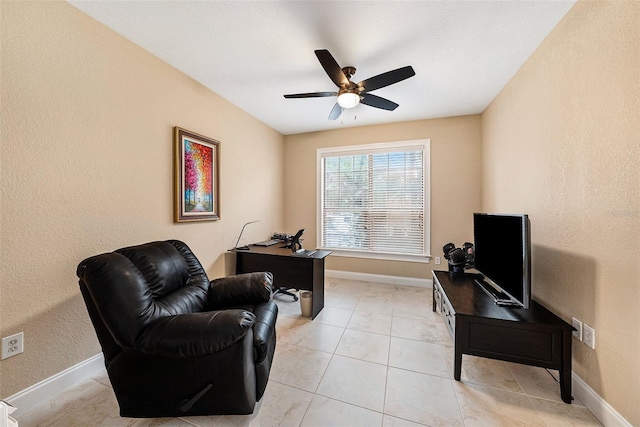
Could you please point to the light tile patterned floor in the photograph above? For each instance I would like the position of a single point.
(375, 356)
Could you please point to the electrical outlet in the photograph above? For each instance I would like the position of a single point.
(437, 260)
(578, 325)
(589, 336)
(12, 345)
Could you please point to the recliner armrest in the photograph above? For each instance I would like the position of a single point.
(241, 289)
(195, 334)
(264, 330)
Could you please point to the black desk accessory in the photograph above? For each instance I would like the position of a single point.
(295, 244)
(245, 247)
(267, 243)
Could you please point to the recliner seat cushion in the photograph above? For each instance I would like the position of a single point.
(195, 334)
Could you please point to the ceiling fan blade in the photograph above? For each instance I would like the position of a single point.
(311, 95)
(378, 102)
(336, 111)
(332, 68)
(388, 78)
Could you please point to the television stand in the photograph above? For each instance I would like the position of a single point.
(480, 327)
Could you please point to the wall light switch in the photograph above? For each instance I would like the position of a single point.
(437, 260)
(578, 325)
(589, 336)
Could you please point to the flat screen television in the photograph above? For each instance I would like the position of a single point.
(503, 255)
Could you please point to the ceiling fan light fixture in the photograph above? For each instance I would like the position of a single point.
(348, 99)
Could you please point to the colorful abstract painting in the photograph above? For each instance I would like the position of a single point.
(196, 177)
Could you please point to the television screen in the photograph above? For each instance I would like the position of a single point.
(503, 253)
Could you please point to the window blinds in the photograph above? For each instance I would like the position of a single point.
(373, 201)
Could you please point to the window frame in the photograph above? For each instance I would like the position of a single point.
(419, 144)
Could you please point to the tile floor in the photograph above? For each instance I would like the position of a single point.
(375, 356)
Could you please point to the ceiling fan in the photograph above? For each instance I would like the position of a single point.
(351, 94)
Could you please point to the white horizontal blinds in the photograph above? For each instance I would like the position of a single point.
(374, 201)
(346, 200)
(397, 203)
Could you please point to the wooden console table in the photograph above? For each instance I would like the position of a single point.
(479, 327)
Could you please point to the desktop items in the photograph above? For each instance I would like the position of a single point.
(291, 242)
(267, 243)
(245, 247)
(284, 237)
(295, 244)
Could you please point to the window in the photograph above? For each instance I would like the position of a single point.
(373, 200)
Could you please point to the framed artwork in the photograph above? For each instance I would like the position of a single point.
(197, 186)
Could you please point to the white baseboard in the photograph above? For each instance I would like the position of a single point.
(380, 278)
(596, 404)
(39, 393)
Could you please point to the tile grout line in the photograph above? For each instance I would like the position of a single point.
(333, 353)
(386, 375)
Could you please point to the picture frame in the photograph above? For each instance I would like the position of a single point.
(196, 176)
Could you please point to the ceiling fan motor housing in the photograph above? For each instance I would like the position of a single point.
(349, 71)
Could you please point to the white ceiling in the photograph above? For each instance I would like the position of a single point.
(251, 53)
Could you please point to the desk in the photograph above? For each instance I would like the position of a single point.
(533, 336)
(297, 271)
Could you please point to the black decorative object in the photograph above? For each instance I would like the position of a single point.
(459, 258)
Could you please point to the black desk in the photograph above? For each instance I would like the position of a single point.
(297, 271)
(532, 336)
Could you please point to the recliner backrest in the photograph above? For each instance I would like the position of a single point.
(133, 286)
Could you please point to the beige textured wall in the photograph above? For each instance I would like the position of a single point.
(87, 167)
(455, 184)
(561, 144)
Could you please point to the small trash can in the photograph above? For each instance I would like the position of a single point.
(306, 303)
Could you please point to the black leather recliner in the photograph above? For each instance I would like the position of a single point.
(174, 343)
